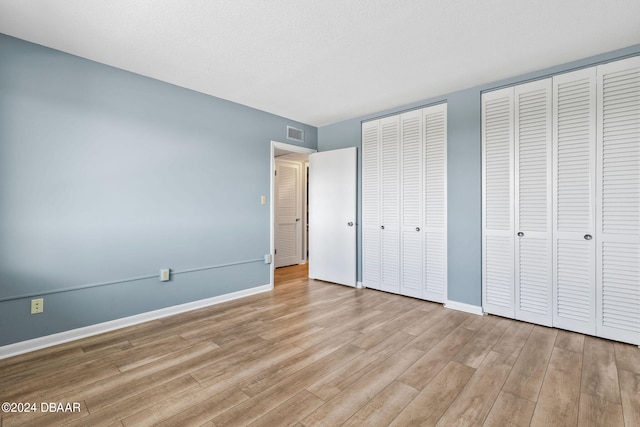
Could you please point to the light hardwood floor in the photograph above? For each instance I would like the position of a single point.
(312, 353)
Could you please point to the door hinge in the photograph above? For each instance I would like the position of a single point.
(275, 251)
(275, 172)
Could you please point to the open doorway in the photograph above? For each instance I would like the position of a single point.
(290, 200)
(289, 219)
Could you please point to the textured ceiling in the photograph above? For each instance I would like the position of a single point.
(320, 62)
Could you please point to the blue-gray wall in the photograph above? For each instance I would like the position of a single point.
(464, 171)
(107, 176)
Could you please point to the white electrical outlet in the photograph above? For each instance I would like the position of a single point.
(37, 305)
(268, 259)
(165, 274)
(263, 200)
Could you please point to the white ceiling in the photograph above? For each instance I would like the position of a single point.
(321, 62)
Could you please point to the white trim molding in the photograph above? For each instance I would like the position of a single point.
(359, 285)
(87, 331)
(467, 308)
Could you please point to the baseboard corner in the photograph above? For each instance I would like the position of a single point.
(467, 308)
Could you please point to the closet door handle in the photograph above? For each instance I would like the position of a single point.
(520, 234)
(350, 224)
(588, 237)
(382, 227)
(417, 228)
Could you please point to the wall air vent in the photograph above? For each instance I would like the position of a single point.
(295, 134)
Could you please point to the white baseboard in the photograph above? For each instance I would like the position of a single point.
(467, 308)
(87, 331)
(359, 285)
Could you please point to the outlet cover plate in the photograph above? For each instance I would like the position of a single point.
(37, 305)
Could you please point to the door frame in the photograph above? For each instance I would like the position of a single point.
(291, 149)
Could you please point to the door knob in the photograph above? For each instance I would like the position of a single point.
(382, 227)
(520, 234)
(587, 237)
(417, 228)
(350, 224)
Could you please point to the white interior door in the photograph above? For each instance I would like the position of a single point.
(332, 216)
(390, 204)
(533, 266)
(288, 214)
(435, 202)
(618, 201)
(371, 204)
(574, 109)
(497, 209)
(411, 259)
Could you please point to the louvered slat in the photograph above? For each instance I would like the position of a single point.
(497, 154)
(533, 277)
(575, 137)
(620, 155)
(618, 213)
(411, 261)
(573, 271)
(370, 176)
(497, 208)
(287, 187)
(620, 290)
(286, 240)
(411, 136)
(435, 158)
(390, 172)
(499, 274)
(435, 270)
(390, 268)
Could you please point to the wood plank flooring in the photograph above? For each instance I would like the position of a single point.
(317, 354)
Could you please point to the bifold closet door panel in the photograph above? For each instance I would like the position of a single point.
(390, 203)
(371, 204)
(533, 267)
(618, 202)
(497, 209)
(411, 259)
(574, 152)
(435, 202)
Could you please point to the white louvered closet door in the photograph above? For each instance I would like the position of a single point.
(497, 209)
(390, 203)
(288, 209)
(533, 268)
(371, 205)
(435, 203)
(618, 202)
(573, 200)
(411, 207)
